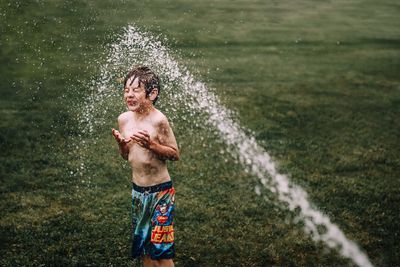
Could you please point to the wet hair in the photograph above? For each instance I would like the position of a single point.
(146, 77)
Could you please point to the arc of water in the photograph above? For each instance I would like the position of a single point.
(251, 155)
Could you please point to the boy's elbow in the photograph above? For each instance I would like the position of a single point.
(176, 156)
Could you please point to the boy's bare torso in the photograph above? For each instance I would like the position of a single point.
(147, 167)
(145, 139)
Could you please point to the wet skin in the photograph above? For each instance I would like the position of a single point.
(145, 138)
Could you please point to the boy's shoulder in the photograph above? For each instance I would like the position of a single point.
(124, 117)
(159, 117)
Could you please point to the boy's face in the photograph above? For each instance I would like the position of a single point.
(135, 95)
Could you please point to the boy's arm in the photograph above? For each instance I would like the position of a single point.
(122, 142)
(124, 151)
(166, 147)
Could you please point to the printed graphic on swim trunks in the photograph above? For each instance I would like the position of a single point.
(162, 223)
(162, 234)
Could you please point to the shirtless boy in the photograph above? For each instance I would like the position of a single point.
(146, 141)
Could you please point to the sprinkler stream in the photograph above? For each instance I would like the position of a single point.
(148, 50)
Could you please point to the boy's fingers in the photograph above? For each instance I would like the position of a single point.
(135, 138)
(117, 137)
(115, 133)
(144, 132)
(144, 135)
(140, 140)
(138, 135)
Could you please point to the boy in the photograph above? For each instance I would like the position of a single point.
(146, 140)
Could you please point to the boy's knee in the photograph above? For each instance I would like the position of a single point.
(148, 262)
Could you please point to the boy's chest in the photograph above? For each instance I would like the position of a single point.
(132, 128)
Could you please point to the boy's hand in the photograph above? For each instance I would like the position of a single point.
(142, 138)
(119, 138)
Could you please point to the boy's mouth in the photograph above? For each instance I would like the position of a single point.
(130, 102)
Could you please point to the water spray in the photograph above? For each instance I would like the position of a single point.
(148, 50)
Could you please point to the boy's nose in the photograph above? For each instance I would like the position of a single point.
(129, 93)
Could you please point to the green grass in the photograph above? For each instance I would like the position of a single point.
(317, 83)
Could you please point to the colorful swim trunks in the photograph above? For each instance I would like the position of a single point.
(152, 221)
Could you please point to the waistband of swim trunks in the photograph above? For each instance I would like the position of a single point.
(153, 188)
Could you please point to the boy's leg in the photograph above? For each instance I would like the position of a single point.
(148, 262)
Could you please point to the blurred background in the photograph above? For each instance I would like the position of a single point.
(315, 82)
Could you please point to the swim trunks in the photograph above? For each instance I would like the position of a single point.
(152, 221)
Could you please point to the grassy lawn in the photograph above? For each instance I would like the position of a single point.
(316, 82)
